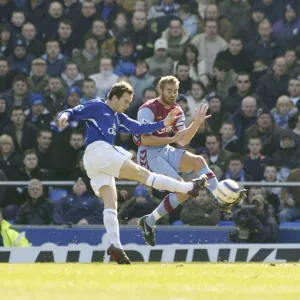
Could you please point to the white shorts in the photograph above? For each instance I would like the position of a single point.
(103, 162)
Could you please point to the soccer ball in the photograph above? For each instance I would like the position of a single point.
(228, 191)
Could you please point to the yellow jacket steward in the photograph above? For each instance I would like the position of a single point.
(12, 238)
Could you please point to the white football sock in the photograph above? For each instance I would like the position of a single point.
(111, 223)
(161, 182)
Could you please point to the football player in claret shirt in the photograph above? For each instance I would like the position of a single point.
(157, 155)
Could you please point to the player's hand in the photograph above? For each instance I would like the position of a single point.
(63, 120)
(172, 116)
(179, 135)
(200, 114)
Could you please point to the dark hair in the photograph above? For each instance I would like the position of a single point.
(142, 61)
(229, 123)
(236, 38)
(181, 63)
(243, 73)
(28, 152)
(289, 49)
(4, 58)
(254, 137)
(201, 85)
(119, 89)
(52, 41)
(77, 132)
(89, 80)
(176, 19)
(71, 62)
(20, 77)
(191, 47)
(18, 11)
(222, 65)
(151, 89)
(217, 136)
(17, 107)
(271, 166)
(235, 156)
(47, 130)
(65, 21)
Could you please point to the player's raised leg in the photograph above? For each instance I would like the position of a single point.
(133, 171)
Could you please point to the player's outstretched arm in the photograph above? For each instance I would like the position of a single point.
(79, 112)
(200, 117)
(134, 127)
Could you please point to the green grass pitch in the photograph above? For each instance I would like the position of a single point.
(149, 281)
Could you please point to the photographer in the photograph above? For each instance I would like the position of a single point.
(254, 223)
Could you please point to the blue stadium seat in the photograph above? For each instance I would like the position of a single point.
(57, 194)
(226, 223)
(178, 223)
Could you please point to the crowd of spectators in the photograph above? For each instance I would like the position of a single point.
(240, 57)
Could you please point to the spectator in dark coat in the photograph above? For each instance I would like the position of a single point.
(6, 76)
(10, 161)
(200, 211)
(255, 162)
(264, 45)
(235, 169)
(19, 94)
(17, 21)
(273, 84)
(142, 37)
(71, 9)
(56, 62)
(267, 130)
(34, 46)
(262, 225)
(238, 92)
(49, 25)
(4, 113)
(287, 152)
(286, 28)
(65, 37)
(6, 9)
(235, 55)
(36, 11)
(37, 210)
(38, 79)
(79, 207)
(64, 160)
(217, 112)
(249, 26)
(125, 60)
(20, 61)
(230, 141)
(84, 20)
(7, 40)
(44, 149)
(38, 114)
(137, 207)
(273, 9)
(244, 117)
(23, 134)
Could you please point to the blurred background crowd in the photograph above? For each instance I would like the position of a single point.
(241, 57)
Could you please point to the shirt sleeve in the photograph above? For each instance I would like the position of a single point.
(180, 124)
(145, 115)
(83, 111)
(128, 125)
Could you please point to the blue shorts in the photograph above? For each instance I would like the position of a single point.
(165, 161)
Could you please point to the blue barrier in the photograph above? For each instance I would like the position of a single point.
(63, 236)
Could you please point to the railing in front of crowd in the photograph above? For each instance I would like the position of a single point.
(134, 183)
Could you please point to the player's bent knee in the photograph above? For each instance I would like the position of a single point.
(199, 162)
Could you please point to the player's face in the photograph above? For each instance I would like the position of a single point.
(169, 94)
(123, 102)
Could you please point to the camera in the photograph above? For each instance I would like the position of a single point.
(241, 217)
